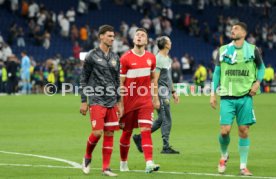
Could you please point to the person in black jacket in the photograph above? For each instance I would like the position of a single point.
(100, 76)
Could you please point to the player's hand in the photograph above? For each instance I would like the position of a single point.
(213, 101)
(156, 103)
(120, 109)
(175, 98)
(83, 108)
(254, 88)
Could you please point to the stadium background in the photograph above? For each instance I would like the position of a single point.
(50, 126)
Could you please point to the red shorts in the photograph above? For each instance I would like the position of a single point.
(103, 118)
(140, 117)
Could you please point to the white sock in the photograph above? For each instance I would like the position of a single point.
(224, 156)
(149, 162)
(242, 165)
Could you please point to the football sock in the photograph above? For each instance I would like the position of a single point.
(125, 144)
(91, 144)
(224, 142)
(243, 149)
(147, 144)
(107, 151)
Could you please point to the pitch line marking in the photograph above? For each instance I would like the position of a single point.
(75, 165)
(139, 171)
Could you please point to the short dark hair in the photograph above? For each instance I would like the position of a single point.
(161, 42)
(105, 28)
(143, 30)
(242, 25)
(24, 52)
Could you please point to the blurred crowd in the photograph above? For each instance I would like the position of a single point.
(158, 19)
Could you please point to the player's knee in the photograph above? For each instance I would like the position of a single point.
(98, 133)
(243, 132)
(108, 133)
(224, 132)
(145, 129)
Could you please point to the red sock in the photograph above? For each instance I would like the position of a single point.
(147, 144)
(107, 151)
(91, 144)
(125, 144)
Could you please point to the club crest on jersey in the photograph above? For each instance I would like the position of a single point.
(149, 62)
(113, 62)
(94, 123)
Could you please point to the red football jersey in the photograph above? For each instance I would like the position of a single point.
(137, 70)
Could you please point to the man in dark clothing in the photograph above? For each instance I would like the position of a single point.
(100, 75)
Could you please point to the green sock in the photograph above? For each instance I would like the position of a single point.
(243, 149)
(224, 142)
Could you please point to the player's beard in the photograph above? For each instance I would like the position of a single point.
(107, 45)
(236, 38)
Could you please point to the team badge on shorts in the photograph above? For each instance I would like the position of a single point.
(149, 62)
(113, 62)
(94, 123)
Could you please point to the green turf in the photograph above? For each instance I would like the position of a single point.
(52, 126)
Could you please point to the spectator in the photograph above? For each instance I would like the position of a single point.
(167, 13)
(60, 17)
(3, 77)
(12, 33)
(251, 39)
(176, 71)
(97, 3)
(200, 6)
(268, 78)
(12, 69)
(14, 6)
(124, 29)
(132, 31)
(82, 7)
(38, 36)
(20, 38)
(65, 27)
(6, 52)
(74, 33)
(46, 40)
(41, 18)
(1, 38)
(166, 26)
(83, 34)
(32, 10)
(186, 68)
(24, 8)
(70, 14)
(156, 22)
(76, 50)
(146, 23)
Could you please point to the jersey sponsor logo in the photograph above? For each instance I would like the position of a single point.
(113, 62)
(94, 122)
(237, 72)
(149, 62)
(134, 64)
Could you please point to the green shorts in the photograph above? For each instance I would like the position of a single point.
(241, 108)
